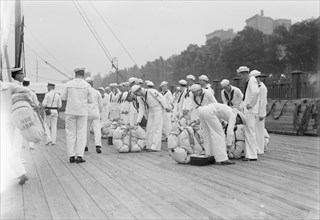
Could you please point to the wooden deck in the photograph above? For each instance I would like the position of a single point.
(283, 184)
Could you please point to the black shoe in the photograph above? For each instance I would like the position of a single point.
(98, 149)
(110, 142)
(86, 149)
(247, 159)
(23, 179)
(72, 159)
(80, 160)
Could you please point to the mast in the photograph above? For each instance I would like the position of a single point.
(18, 33)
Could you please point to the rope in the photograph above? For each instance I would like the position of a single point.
(301, 125)
(272, 108)
(282, 109)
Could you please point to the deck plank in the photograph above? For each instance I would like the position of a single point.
(282, 184)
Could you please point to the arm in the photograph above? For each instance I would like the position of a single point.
(64, 94)
(263, 101)
(59, 101)
(142, 110)
(160, 98)
(90, 99)
(100, 102)
(254, 91)
(45, 100)
(230, 132)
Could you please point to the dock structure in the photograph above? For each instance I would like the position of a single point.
(282, 184)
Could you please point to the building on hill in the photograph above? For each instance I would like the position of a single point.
(222, 34)
(266, 24)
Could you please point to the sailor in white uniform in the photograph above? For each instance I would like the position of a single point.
(17, 75)
(199, 97)
(95, 109)
(214, 140)
(204, 82)
(262, 112)
(10, 154)
(181, 100)
(250, 110)
(151, 104)
(167, 126)
(52, 101)
(78, 96)
(231, 95)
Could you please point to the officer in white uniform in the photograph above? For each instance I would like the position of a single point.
(152, 104)
(214, 140)
(250, 110)
(114, 107)
(199, 97)
(78, 96)
(231, 95)
(262, 112)
(95, 108)
(17, 75)
(167, 126)
(52, 101)
(204, 82)
(10, 153)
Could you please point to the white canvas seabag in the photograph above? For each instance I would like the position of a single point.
(27, 119)
(128, 138)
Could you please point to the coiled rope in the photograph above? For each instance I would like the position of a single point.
(301, 125)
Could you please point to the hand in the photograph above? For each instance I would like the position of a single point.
(168, 109)
(185, 112)
(248, 107)
(261, 118)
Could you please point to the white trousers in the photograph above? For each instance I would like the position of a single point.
(250, 136)
(154, 129)
(260, 135)
(76, 134)
(214, 137)
(52, 121)
(167, 126)
(95, 122)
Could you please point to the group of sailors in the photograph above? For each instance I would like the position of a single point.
(138, 103)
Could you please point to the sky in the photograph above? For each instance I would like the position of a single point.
(148, 29)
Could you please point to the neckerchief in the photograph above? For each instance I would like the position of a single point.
(187, 93)
(144, 99)
(229, 100)
(195, 100)
(180, 97)
(119, 100)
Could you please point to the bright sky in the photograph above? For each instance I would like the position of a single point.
(148, 29)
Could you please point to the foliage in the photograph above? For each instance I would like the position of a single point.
(276, 54)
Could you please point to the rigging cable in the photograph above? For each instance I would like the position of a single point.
(92, 30)
(38, 41)
(108, 26)
(49, 64)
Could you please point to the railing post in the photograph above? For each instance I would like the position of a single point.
(296, 84)
(216, 86)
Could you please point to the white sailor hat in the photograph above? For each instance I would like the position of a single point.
(163, 83)
(242, 69)
(225, 82)
(79, 70)
(101, 88)
(135, 88)
(113, 85)
(195, 87)
(203, 77)
(178, 88)
(51, 84)
(16, 70)
(107, 88)
(139, 81)
(191, 77)
(255, 73)
(121, 84)
(89, 79)
(149, 83)
(126, 84)
(132, 79)
(26, 79)
(182, 82)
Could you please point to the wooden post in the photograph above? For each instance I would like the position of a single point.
(236, 81)
(296, 84)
